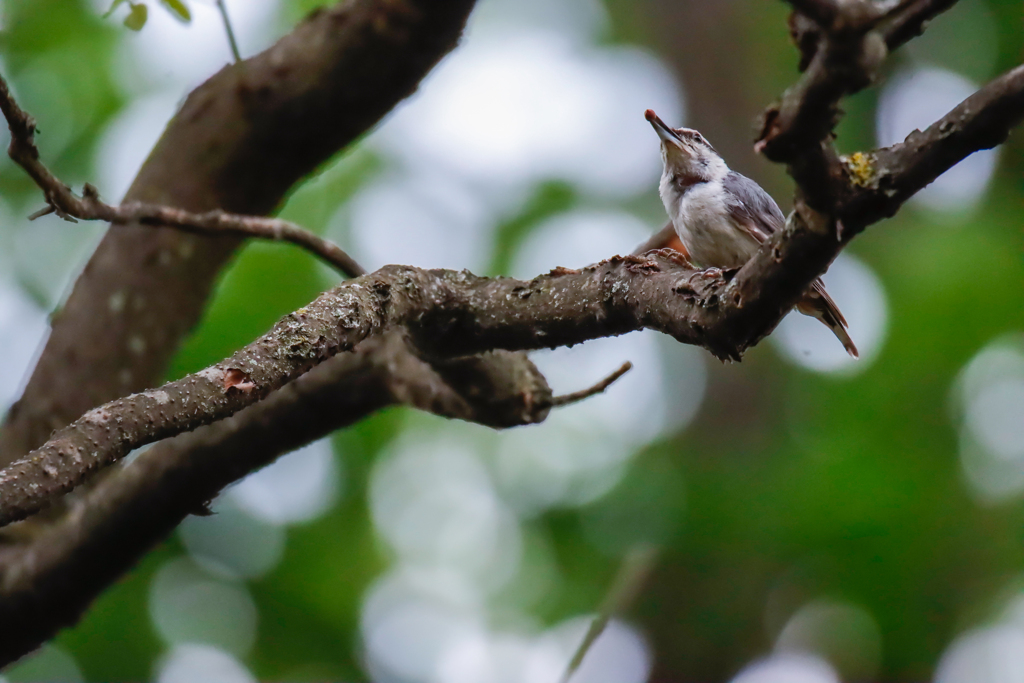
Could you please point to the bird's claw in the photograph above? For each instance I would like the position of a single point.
(709, 273)
(672, 255)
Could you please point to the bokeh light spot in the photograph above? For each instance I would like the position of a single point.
(860, 295)
(297, 487)
(196, 663)
(232, 542)
(844, 634)
(187, 605)
(788, 667)
(988, 402)
(988, 655)
(48, 664)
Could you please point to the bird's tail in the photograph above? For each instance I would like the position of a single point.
(817, 303)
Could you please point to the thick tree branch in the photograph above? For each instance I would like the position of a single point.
(453, 314)
(875, 185)
(238, 144)
(842, 45)
(47, 583)
(449, 314)
(886, 178)
(62, 201)
(797, 130)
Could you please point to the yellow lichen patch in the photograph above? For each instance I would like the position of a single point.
(861, 171)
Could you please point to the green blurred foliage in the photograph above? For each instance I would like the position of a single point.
(788, 486)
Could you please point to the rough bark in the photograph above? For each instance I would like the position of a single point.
(48, 584)
(239, 143)
(449, 316)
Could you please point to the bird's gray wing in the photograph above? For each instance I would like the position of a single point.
(754, 210)
(751, 208)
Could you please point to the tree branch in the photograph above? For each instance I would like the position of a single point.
(885, 178)
(841, 52)
(47, 583)
(583, 394)
(797, 130)
(89, 207)
(447, 317)
(912, 21)
(451, 314)
(448, 314)
(238, 144)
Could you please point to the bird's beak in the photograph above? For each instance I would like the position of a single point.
(663, 131)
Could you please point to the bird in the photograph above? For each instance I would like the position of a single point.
(722, 217)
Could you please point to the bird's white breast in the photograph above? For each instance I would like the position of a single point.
(703, 223)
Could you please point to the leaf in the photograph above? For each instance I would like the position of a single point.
(114, 6)
(136, 19)
(178, 9)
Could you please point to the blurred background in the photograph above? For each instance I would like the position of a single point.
(815, 519)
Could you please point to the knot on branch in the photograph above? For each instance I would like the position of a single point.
(809, 110)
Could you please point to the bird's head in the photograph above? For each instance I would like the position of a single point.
(687, 156)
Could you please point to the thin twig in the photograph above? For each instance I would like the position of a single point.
(633, 574)
(577, 396)
(229, 30)
(66, 204)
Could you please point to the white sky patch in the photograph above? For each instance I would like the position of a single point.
(159, 66)
(23, 329)
(530, 105)
(411, 632)
(579, 21)
(128, 140)
(429, 220)
(576, 239)
(167, 53)
(619, 655)
(581, 451)
(406, 627)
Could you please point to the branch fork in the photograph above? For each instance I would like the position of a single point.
(443, 341)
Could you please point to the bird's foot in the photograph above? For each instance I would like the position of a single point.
(709, 273)
(672, 255)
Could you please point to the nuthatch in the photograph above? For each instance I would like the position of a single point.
(723, 218)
